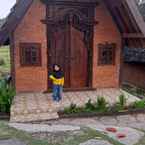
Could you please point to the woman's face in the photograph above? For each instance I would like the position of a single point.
(56, 68)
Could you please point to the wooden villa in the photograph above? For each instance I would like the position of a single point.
(98, 43)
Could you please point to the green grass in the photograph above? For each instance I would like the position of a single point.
(5, 55)
(9, 133)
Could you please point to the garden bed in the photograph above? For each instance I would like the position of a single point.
(97, 114)
(102, 108)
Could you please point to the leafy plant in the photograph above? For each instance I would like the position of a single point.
(89, 106)
(7, 93)
(2, 62)
(139, 104)
(121, 104)
(101, 104)
(72, 109)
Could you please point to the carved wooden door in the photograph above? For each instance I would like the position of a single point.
(68, 50)
(79, 59)
(69, 43)
(58, 51)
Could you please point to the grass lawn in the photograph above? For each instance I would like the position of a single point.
(9, 133)
(5, 55)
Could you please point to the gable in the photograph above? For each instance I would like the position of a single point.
(16, 15)
(127, 16)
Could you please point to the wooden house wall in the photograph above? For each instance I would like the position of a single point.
(31, 30)
(106, 31)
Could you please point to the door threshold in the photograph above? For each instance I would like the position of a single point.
(74, 89)
(79, 89)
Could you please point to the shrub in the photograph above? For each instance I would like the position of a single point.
(121, 104)
(122, 101)
(101, 104)
(89, 106)
(7, 93)
(2, 62)
(72, 109)
(139, 104)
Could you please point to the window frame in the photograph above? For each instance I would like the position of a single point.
(101, 50)
(23, 47)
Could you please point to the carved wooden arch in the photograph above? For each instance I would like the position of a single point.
(66, 16)
(62, 15)
(69, 11)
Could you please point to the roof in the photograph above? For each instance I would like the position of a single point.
(16, 15)
(125, 14)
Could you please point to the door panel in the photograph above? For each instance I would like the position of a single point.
(67, 49)
(79, 60)
(58, 52)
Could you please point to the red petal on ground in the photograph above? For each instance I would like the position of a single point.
(111, 129)
(121, 135)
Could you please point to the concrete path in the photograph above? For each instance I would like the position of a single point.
(127, 129)
(11, 142)
(96, 142)
(34, 128)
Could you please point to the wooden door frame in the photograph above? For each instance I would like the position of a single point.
(89, 41)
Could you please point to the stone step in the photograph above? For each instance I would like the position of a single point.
(34, 117)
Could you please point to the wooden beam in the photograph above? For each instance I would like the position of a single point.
(133, 35)
(86, 3)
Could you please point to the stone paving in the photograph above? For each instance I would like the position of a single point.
(126, 129)
(96, 142)
(35, 128)
(38, 106)
(11, 142)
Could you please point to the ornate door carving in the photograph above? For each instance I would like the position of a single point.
(70, 30)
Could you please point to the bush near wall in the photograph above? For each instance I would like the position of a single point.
(101, 106)
(7, 93)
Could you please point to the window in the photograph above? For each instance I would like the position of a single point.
(30, 54)
(106, 54)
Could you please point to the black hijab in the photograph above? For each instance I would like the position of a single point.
(57, 74)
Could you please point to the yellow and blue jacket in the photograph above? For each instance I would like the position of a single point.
(57, 81)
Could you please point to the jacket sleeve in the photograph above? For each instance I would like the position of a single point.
(62, 81)
(52, 77)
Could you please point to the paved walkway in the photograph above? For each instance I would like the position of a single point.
(127, 129)
(96, 142)
(38, 106)
(11, 142)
